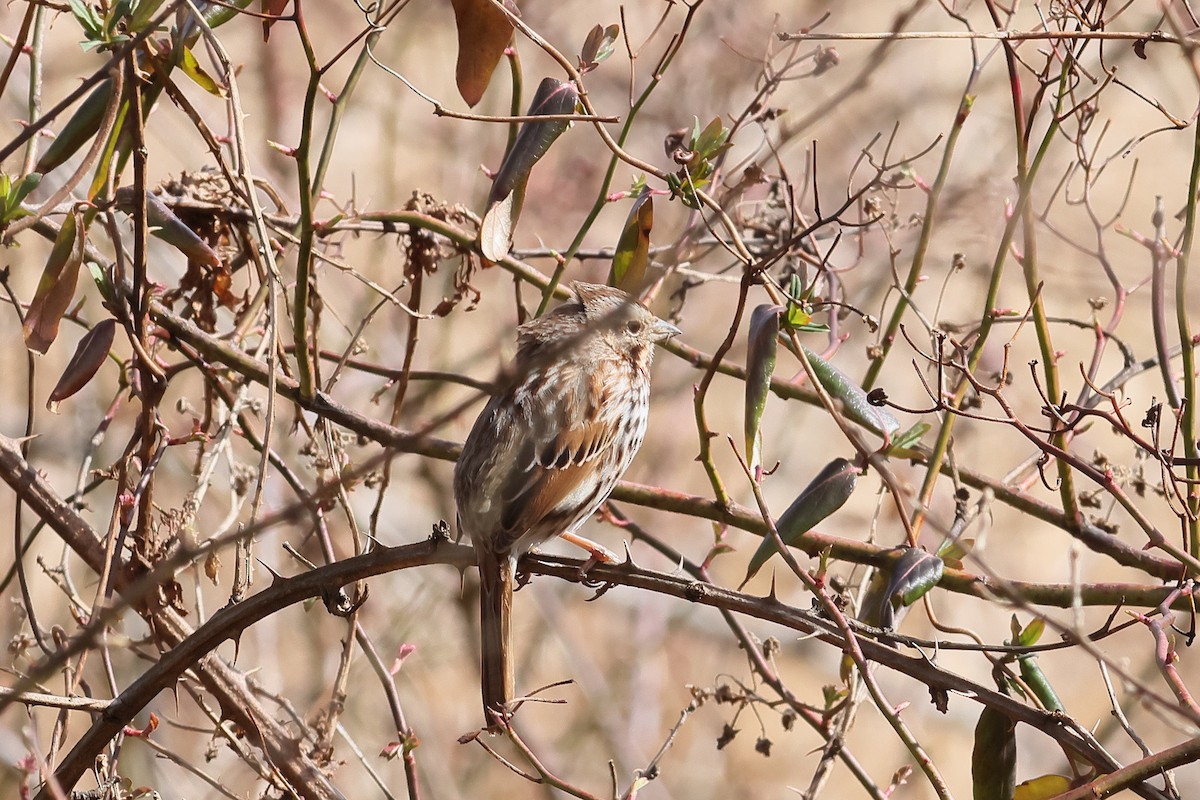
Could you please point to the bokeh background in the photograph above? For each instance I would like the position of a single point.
(634, 656)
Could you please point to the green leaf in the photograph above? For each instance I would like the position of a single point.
(78, 131)
(143, 13)
(121, 10)
(761, 350)
(1039, 684)
(856, 406)
(88, 19)
(56, 287)
(832, 695)
(797, 317)
(994, 757)
(903, 444)
(12, 195)
(27, 185)
(1030, 634)
(103, 282)
(711, 141)
(216, 15)
(827, 492)
(632, 258)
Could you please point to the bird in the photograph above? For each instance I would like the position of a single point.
(564, 423)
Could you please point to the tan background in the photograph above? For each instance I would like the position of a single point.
(633, 655)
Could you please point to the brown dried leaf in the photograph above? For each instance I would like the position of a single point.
(495, 234)
(56, 287)
(483, 34)
(89, 356)
(212, 568)
(274, 8)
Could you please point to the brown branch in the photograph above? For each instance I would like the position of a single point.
(229, 622)
(225, 683)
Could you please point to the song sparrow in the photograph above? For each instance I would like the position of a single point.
(565, 422)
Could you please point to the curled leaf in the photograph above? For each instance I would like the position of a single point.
(827, 492)
(761, 348)
(89, 356)
(168, 227)
(553, 97)
(912, 575)
(856, 406)
(496, 230)
(78, 131)
(56, 287)
(1039, 684)
(484, 32)
(632, 257)
(994, 758)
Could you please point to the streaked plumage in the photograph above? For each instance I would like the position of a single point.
(565, 423)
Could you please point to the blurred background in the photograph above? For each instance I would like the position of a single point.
(1124, 143)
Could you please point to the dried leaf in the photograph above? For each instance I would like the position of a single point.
(89, 356)
(508, 187)
(212, 567)
(495, 233)
(274, 8)
(56, 287)
(484, 32)
(193, 70)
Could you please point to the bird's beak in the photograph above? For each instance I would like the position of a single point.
(663, 331)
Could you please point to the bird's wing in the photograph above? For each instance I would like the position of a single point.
(559, 458)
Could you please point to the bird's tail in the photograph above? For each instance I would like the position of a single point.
(495, 625)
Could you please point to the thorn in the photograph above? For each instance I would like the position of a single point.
(275, 576)
(771, 594)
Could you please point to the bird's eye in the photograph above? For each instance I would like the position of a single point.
(633, 326)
